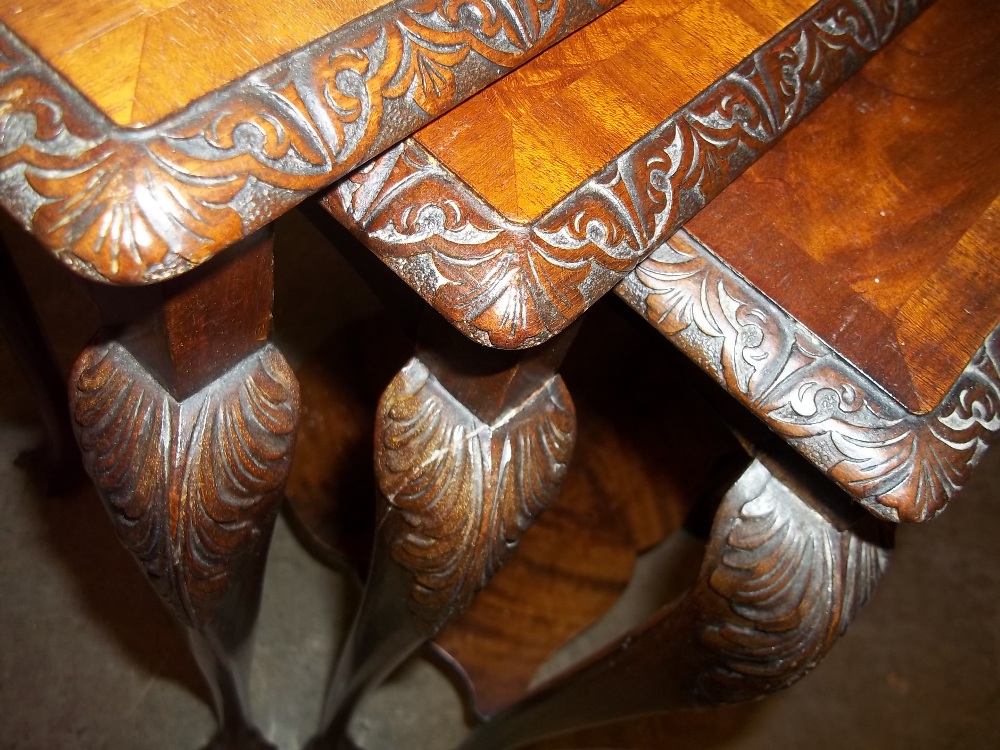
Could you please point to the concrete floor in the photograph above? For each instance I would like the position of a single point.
(89, 659)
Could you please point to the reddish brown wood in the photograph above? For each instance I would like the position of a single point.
(743, 308)
(789, 564)
(186, 423)
(893, 262)
(511, 279)
(458, 485)
(136, 205)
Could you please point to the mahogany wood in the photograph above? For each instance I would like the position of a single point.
(896, 264)
(459, 482)
(829, 395)
(624, 169)
(136, 205)
(789, 565)
(186, 422)
(630, 484)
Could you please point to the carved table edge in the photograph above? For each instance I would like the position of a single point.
(138, 205)
(512, 285)
(899, 465)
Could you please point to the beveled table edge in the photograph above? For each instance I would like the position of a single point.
(513, 285)
(137, 205)
(900, 466)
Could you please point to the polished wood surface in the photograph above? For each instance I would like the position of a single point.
(564, 116)
(876, 223)
(140, 60)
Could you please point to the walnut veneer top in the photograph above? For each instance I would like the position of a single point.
(877, 222)
(140, 60)
(562, 118)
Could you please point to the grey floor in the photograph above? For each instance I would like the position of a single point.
(88, 658)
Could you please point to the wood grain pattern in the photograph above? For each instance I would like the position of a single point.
(894, 262)
(563, 118)
(900, 466)
(628, 487)
(140, 60)
(140, 205)
(511, 284)
(788, 567)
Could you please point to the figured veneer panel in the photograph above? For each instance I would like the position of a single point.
(577, 106)
(140, 60)
(875, 223)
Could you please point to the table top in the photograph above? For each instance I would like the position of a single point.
(516, 211)
(141, 137)
(140, 60)
(845, 288)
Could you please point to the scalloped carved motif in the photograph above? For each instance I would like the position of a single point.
(512, 285)
(464, 491)
(793, 583)
(136, 206)
(900, 466)
(192, 487)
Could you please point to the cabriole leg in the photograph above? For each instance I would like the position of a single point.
(470, 446)
(186, 417)
(789, 564)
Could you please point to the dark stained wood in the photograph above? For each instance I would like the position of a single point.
(458, 485)
(21, 328)
(189, 330)
(630, 484)
(876, 223)
(186, 424)
(789, 564)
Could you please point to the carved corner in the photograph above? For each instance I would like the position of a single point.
(458, 493)
(140, 205)
(192, 487)
(514, 285)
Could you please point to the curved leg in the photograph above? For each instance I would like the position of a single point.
(471, 445)
(788, 566)
(186, 420)
(22, 330)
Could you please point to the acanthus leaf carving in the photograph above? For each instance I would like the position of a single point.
(791, 582)
(464, 491)
(192, 487)
(513, 285)
(160, 199)
(901, 466)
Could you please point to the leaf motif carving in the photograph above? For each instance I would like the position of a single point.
(793, 583)
(464, 491)
(141, 205)
(192, 487)
(902, 467)
(513, 285)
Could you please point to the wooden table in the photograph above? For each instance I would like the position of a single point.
(843, 290)
(139, 139)
(135, 158)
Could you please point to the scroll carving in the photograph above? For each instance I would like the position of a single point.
(464, 491)
(513, 285)
(793, 583)
(136, 206)
(192, 487)
(900, 466)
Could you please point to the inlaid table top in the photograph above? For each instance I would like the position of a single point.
(517, 210)
(140, 137)
(844, 288)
